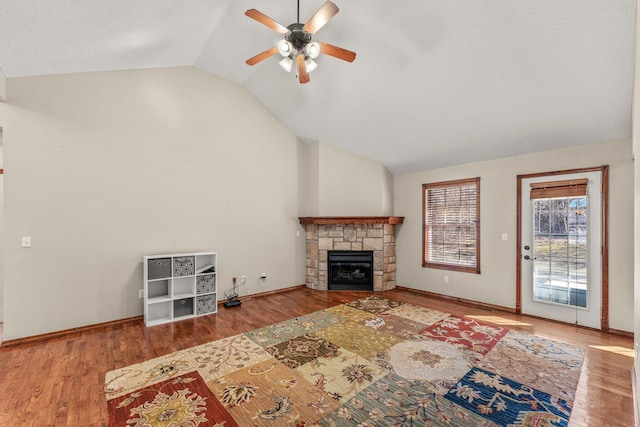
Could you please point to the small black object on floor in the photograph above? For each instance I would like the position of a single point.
(232, 303)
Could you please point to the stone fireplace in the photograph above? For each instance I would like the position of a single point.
(344, 234)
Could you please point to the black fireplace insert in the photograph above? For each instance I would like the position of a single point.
(350, 270)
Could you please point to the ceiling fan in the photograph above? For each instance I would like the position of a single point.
(297, 45)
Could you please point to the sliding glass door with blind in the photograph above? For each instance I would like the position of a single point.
(561, 256)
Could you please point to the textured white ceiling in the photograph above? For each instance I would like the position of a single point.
(435, 82)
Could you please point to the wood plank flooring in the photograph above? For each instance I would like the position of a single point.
(59, 382)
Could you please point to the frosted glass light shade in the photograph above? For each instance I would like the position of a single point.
(286, 63)
(312, 50)
(310, 64)
(284, 47)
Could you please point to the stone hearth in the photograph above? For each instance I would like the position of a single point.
(375, 234)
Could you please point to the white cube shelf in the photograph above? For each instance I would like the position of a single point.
(179, 286)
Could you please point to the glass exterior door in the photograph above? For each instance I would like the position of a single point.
(561, 253)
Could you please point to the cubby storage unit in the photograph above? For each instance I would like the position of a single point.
(179, 286)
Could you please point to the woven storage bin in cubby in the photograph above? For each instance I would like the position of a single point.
(183, 266)
(183, 307)
(159, 268)
(206, 304)
(206, 284)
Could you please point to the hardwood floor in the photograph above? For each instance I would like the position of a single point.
(59, 382)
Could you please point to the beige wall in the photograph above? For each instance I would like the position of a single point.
(3, 87)
(312, 180)
(344, 184)
(108, 167)
(636, 261)
(636, 151)
(2, 238)
(496, 284)
(3, 95)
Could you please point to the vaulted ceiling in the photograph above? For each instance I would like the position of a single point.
(435, 82)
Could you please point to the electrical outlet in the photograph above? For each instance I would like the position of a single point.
(26, 242)
(244, 279)
(141, 293)
(446, 279)
(263, 276)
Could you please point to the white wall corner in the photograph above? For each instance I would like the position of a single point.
(3, 87)
(387, 191)
(309, 183)
(635, 120)
(352, 185)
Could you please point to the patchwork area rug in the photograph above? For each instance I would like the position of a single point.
(371, 362)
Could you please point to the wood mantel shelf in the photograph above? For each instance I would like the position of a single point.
(351, 220)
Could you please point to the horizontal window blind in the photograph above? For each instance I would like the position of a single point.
(451, 228)
(555, 189)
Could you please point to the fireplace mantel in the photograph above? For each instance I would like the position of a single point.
(351, 220)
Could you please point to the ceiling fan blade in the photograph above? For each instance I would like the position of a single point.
(302, 70)
(265, 20)
(262, 56)
(337, 52)
(321, 17)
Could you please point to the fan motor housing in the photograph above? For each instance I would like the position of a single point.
(298, 36)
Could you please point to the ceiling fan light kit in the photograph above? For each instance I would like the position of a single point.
(297, 45)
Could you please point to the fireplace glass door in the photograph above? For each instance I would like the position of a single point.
(350, 270)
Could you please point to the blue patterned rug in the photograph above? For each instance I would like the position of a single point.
(507, 402)
(371, 362)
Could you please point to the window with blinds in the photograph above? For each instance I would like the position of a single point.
(451, 234)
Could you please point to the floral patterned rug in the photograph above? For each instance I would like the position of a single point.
(371, 362)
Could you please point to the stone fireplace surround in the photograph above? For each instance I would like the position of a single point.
(370, 233)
